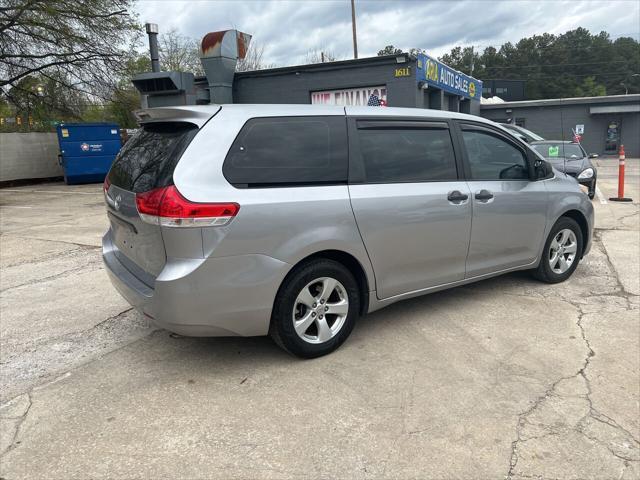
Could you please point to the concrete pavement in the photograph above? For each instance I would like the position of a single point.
(507, 378)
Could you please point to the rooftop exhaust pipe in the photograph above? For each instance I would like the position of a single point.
(152, 31)
(219, 54)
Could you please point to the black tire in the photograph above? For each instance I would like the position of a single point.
(592, 190)
(282, 321)
(544, 272)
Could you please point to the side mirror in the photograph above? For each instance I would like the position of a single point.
(593, 155)
(542, 169)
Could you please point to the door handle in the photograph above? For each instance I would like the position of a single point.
(457, 196)
(484, 195)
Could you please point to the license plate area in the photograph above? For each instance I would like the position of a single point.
(124, 233)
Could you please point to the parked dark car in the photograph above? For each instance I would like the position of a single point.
(570, 158)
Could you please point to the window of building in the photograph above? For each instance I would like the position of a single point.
(288, 150)
(407, 155)
(491, 158)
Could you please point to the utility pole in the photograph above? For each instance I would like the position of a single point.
(353, 26)
(471, 71)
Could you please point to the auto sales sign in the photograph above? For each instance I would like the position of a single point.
(441, 76)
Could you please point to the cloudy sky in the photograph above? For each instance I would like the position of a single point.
(289, 29)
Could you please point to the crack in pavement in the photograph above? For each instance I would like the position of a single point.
(81, 245)
(34, 363)
(21, 418)
(15, 437)
(592, 413)
(65, 336)
(95, 263)
(80, 248)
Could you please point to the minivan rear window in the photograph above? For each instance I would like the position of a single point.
(148, 159)
(277, 151)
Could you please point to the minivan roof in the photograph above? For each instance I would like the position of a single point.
(206, 111)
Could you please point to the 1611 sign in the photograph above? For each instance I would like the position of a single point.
(403, 72)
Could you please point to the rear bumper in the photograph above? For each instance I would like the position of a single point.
(217, 296)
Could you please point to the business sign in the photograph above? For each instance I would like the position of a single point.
(403, 72)
(441, 76)
(94, 147)
(349, 96)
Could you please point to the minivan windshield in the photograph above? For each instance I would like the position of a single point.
(553, 150)
(148, 159)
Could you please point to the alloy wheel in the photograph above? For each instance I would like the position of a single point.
(320, 310)
(562, 251)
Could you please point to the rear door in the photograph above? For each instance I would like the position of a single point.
(509, 208)
(412, 210)
(146, 162)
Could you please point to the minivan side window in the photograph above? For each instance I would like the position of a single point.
(491, 158)
(397, 154)
(278, 151)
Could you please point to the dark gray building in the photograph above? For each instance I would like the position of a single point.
(605, 122)
(507, 90)
(398, 80)
(395, 80)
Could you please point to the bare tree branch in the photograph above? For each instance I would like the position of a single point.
(44, 36)
(253, 60)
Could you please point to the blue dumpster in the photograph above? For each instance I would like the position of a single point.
(87, 150)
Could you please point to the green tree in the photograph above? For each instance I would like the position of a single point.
(389, 50)
(125, 99)
(461, 59)
(589, 88)
(575, 63)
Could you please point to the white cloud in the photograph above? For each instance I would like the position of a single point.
(288, 29)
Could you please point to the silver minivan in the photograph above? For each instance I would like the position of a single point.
(294, 220)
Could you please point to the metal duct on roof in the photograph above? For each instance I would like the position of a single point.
(219, 54)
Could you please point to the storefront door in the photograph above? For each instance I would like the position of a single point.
(612, 139)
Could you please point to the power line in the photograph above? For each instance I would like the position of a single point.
(558, 37)
(534, 76)
(542, 65)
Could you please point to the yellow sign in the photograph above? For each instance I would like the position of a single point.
(403, 72)
(432, 71)
(65, 132)
(472, 89)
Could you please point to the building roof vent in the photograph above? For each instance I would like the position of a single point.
(219, 54)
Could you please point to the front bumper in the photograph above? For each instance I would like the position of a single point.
(217, 296)
(590, 183)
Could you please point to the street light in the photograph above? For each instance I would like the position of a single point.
(626, 89)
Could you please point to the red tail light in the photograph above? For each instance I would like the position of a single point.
(166, 206)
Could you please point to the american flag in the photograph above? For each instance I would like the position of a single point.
(374, 101)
